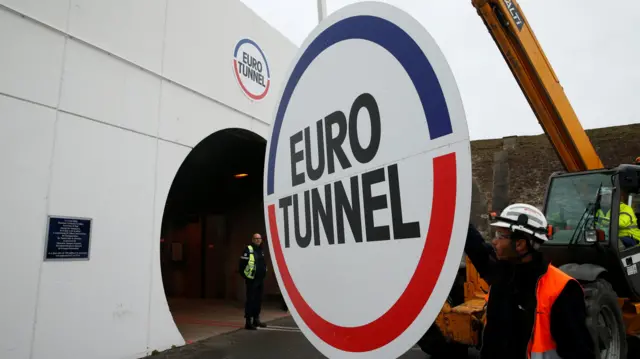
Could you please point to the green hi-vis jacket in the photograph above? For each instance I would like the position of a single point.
(627, 222)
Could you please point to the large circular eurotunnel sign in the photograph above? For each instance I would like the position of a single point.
(367, 183)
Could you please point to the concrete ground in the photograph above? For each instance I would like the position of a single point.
(281, 340)
(198, 319)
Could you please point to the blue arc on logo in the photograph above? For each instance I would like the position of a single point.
(249, 41)
(397, 42)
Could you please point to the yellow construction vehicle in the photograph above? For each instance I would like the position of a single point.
(591, 253)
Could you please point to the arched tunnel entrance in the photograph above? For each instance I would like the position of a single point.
(213, 208)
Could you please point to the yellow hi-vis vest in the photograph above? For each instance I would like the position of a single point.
(627, 222)
(250, 269)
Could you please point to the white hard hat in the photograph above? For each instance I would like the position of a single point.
(525, 218)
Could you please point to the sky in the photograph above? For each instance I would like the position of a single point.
(594, 50)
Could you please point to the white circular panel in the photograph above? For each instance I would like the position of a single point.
(372, 90)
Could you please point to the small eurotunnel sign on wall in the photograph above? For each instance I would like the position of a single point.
(68, 238)
(251, 69)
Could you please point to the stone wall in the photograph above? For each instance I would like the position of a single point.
(525, 163)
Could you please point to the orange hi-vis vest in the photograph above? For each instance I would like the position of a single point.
(550, 285)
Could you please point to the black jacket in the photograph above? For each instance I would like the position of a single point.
(512, 303)
(261, 264)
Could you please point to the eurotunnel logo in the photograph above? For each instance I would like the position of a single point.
(367, 183)
(251, 69)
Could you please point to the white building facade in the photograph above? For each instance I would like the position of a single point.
(100, 103)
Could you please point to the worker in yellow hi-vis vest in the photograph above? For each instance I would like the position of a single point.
(628, 231)
(253, 269)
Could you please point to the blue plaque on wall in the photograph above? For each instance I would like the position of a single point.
(68, 238)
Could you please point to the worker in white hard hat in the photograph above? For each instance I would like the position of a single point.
(534, 310)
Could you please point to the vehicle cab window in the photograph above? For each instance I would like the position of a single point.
(570, 205)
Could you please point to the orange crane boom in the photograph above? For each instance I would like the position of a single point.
(510, 30)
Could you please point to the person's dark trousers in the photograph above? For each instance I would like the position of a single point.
(253, 303)
(628, 242)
